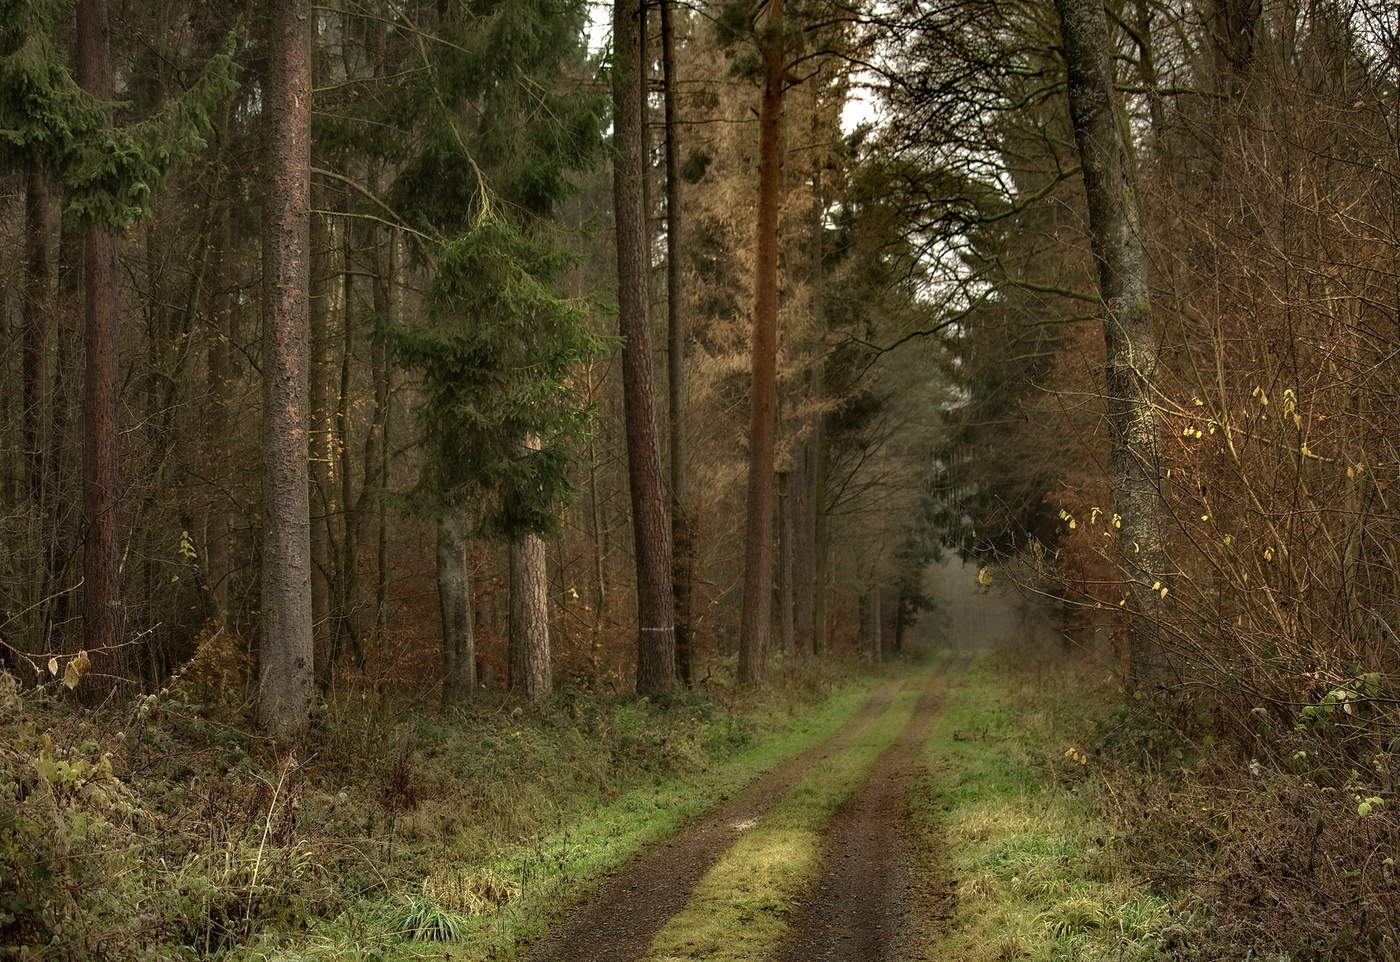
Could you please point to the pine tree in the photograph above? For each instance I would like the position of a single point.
(656, 623)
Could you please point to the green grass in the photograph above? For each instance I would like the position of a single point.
(1035, 876)
(739, 911)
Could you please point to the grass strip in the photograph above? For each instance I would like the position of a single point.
(739, 911)
(1035, 875)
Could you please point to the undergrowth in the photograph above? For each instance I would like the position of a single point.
(1074, 827)
(167, 831)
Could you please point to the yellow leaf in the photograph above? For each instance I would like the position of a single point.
(53, 667)
(984, 577)
(76, 669)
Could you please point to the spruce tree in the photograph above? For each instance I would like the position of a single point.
(498, 136)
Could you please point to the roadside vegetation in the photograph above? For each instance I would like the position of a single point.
(1007, 827)
(168, 831)
(1053, 823)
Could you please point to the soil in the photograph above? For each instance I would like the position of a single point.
(619, 921)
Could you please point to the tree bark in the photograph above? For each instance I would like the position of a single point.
(320, 442)
(787, 566)
(682, 516)
(219, 377)
(821, 523)
(756, 624)
(656, 642)
(102, 612)
(806, 496)
(531, 674)
(901, 610)
(455, 608)
(1116, 239)
(877, 615)
(37, 417)
(285, 666)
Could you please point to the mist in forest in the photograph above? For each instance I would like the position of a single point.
(968, 615)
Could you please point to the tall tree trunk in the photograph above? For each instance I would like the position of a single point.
(285, 669)
(656, 642)
(806, 494)
(38, 437)
(218, 378)
(756, 625)
(455, 607)
(786, 562)
(347, 594)
(1116, 238)
(877, 623)
(901, 610)
(102, 612)
(682, 516)
(531, 674)
(821, 523)
(321, 446)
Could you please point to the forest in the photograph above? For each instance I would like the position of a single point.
(677, 480)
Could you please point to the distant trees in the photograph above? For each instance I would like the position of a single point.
(1201, 510)
(404, 264)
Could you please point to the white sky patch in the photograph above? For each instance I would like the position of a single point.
(599, 26)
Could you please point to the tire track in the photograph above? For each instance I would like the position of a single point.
(856, 909)
(619, 921)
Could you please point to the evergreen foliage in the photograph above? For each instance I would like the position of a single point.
(108, 171)
(498, 137)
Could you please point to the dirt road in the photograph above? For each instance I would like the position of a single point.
(854, 910)
(618, 922)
